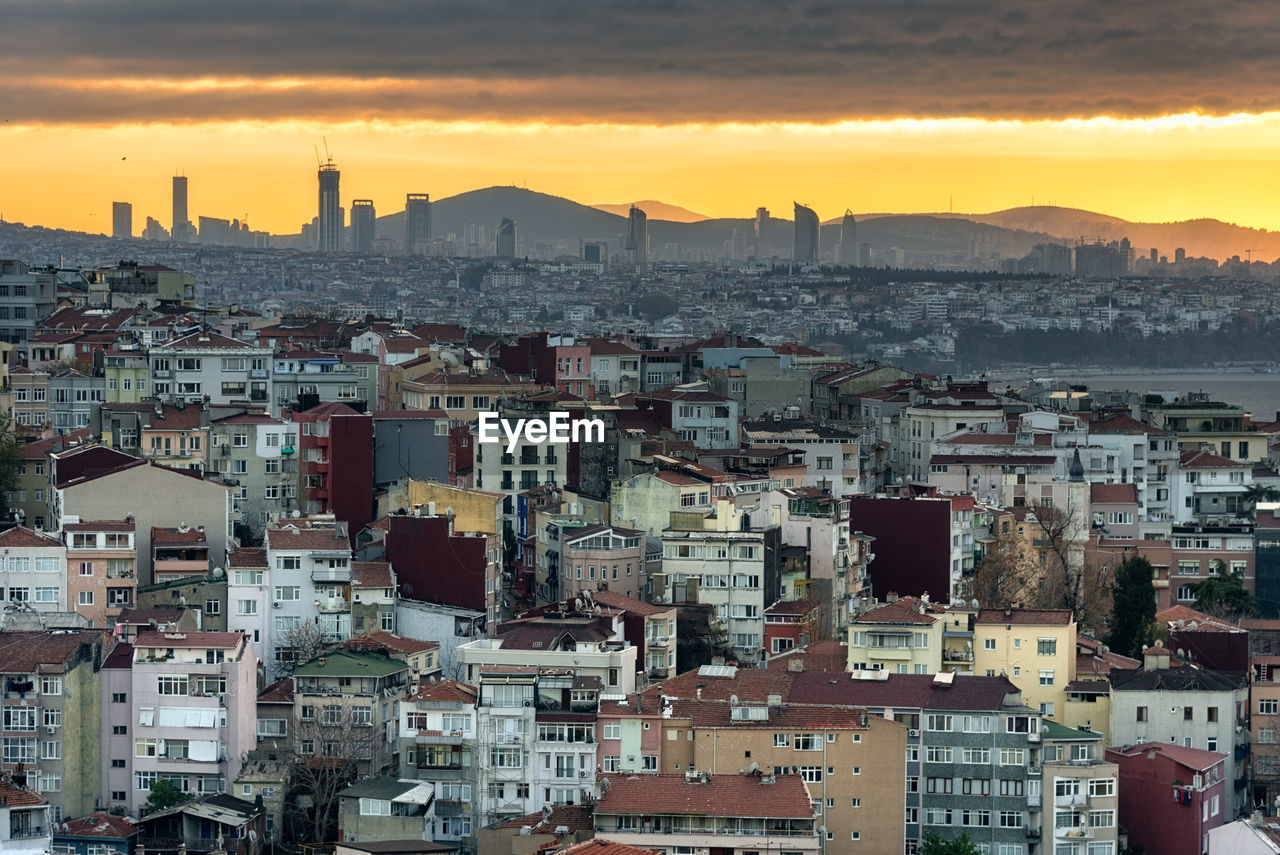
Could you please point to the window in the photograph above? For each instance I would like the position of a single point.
(981, 756)
(288, 592)
(171, 684)
(1140, 714)
(85, 598)
(248, 577)
(811, 774)
(51, 685)
(246, 607)
(613, 730)
(1046, 647)
(1102, 787)
(375, 807)
(1268, 706)
(988, 644)
(50, 750)
(213, 607)
(1046, 677)
(937, 754)
(1012, 757)
(935, 721)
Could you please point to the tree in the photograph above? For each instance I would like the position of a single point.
(300, 642)
(935, 845)
(331, 752)
(1067, 581)
(1223, 595)
(1005, 575)
(1133, 607)
(9, 460)
(1256, 493)
(164, 794)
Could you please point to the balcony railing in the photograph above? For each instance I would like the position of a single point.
(24, 833)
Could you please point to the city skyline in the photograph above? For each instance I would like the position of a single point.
(903, 109)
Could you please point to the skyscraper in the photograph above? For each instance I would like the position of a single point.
(638, 239)
(808, 229)
(760, 247)
(363, 224)
(180, 228)
(507, 238)
(847, 249)
(121, 220)
(417, 222)
(329, 236)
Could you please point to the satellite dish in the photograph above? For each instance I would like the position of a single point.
(218, 572)
(733, 700)
(296, 514)
(974, 602)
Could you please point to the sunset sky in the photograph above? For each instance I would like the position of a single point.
(1146, 110)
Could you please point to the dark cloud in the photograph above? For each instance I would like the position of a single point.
(646, 60)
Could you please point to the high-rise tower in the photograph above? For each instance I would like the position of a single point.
(638, 239)
(507, 242)
(121, 220)
(329, 217)
(417, 222)
(805, 247)
(760, 244)
(847, 249)
(363, 224)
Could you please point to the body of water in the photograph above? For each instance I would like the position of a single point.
(1257, 392)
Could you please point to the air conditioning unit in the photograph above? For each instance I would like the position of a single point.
(914, 733)
(276, 604)
(528, 703)
(50, 729)
(582, 774)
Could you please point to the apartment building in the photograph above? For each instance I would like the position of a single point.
(27, 296)
(302, 576)
(26, 819)
(316, 376)
(345, 705)
(854, 764)
(1192, 786)
(258, 456)
(1209, 488)
(437, 744)
(1083, 783)
(729, 814)
(175, 435)
(712, 560)
(527, 465)
(505, 731)
(51, 708)
(1200, 551)
(102, 569)
(652, 628)
(1034, 648)
(595, 556)
(1264, 729)
(1187, 707)
(35, 571)
(207, 366)
(832, 455)
(190, 709)
(902, 636)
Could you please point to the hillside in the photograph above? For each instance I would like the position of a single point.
(655, 210)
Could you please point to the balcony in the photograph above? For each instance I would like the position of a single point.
(257, 374)
(451, 807)
(26, 833)
(1075, 832)
(331, 574)
(334, 604)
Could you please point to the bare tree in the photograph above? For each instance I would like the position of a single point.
(303, 641)
(1004, 577)
(331, 752)
(1066, 580)
(450, 667)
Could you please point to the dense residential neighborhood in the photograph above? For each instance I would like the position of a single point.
(267, 582)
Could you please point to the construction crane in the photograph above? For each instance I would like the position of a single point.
(1248, 254)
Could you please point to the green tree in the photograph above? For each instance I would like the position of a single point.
(1256, 493)
(164, 794)
(1224, 595)
(9, 460)
(1133, 607)
(935, 845)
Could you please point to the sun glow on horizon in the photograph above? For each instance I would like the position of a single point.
(1173, 167)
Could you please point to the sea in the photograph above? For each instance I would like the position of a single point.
(1257, 391)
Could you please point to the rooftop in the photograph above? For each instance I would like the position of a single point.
(714, 795)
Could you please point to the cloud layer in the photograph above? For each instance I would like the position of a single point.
(649, 61)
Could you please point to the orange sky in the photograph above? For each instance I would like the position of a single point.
(1167, 168)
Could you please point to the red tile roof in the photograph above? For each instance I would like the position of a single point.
(902, 611)
(400, 643)
(39, 449)
(1195, 759)
(622, 602)
(28, 652)
(188, 639)
(371, 574)
(100, 525)
(447, 690)
(99, 825)
(576, 817)
(324, 539)
(720, 795)
(21, 536)
(601, 846)
(1118, 494)
(13, 795)
(1025, 617)
(829, 655)
(279, 692)
(245, 556)
(204, 341)
(1206, 460)
(168, 536)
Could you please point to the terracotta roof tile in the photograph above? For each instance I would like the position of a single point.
(901, 611)
(188, 639)
(400, 643)
(720, 795)
(1025, 617)
(246, 556)
(28, 652)
(21, 536)
(279, 692)
(446, 691)
(13, 795)
(1122, 494)
(371, 574)
(98, 825)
